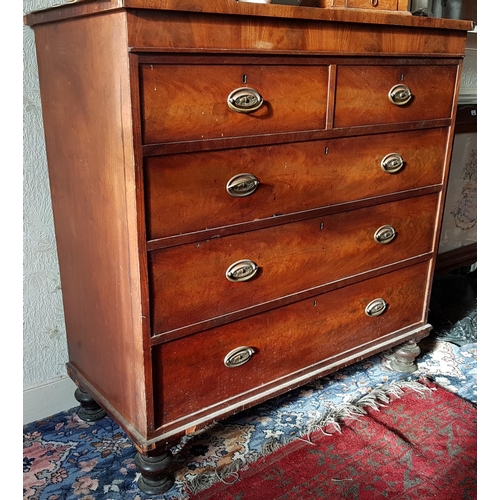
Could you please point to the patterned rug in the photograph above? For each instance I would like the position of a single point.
(67, 458)
(421, 445)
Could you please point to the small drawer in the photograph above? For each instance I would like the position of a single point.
(196, 102)
(238, 272)
(373, 4)
(238, 186)
(282, 344)
(372, 95)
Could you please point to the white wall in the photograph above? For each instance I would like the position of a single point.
(46, 388)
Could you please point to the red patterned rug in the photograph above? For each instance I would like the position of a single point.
(416, 447)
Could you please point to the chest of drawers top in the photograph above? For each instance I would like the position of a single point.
(248, 22)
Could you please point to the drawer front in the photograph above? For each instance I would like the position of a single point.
(285, 341)
(184, 103)
(373, 4)
(182, 189)
(362, 96)
(290, 258)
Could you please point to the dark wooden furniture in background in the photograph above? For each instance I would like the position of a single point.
(246, 197)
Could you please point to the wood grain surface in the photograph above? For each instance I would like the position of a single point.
(287, 341)
(181, 190)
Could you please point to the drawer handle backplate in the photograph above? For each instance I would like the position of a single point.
(242, 185)
(242, 270)
(392, 163)
(244, 100)
(376, 307)
(238, 356)
(384, 235)
(400, 94)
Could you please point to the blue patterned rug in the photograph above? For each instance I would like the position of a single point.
(66, 458)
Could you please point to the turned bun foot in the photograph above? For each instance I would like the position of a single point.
(403, 357)
(89, 410)
(155, 478)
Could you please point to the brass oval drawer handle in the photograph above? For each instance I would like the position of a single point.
(400, 94)
(384, 235)
(242, 270)
(242, 185)
(238, 356)
(376, 307)
(392, 163)
(244, 100)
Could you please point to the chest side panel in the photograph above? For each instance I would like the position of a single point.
(88, 131)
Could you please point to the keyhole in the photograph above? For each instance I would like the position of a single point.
(401, 77)
(244, 79)
(374, 3)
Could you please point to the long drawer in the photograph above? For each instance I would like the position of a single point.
(195, 102)
(223, 275)
(236, 186)
(210, 369)
(363, 94)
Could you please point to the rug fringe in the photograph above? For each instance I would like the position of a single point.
(376, 398)
(201, 482)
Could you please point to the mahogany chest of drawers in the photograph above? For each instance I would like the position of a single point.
(246, 197)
